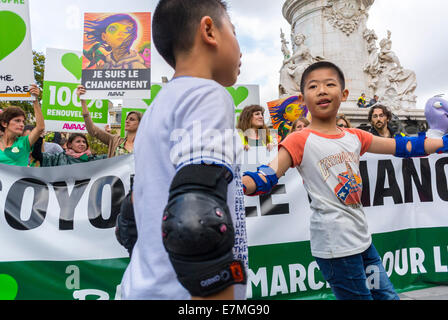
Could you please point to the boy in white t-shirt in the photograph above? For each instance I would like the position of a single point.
(188, 193)
(327, 157)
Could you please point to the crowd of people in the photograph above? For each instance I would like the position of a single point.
(24, 145)
(362, 101)
(255, 132)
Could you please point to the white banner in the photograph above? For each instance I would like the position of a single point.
(63, 213)
(398, 195)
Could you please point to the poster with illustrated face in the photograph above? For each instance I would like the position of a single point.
(16, 55)
(284, 112)
(116, 61)
(61, 106)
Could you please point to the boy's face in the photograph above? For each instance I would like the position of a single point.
(323, 93)
(228, 55)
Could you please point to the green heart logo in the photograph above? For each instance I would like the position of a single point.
(73, 64)
(8, 287)
(155, 89)
(238, 95)
(12, 32)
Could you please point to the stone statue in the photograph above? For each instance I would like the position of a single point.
(294, 66)
(285, 49)
(345, 15)
(372, 67)
(389, 80)
(386, 53)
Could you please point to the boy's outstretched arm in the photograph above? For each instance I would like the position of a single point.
(407, 147)
(268, 175)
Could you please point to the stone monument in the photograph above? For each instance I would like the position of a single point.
(336, 30)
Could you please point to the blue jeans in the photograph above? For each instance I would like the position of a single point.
(358, 277)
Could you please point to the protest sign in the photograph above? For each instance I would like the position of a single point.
(284, 112)
(116, 59)
(61, 106)
(138, 105)
(16, 56)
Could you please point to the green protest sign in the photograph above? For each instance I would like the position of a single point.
(61, 106)
(138, 105)
(244, 95)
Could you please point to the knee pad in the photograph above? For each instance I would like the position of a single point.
(198, 232)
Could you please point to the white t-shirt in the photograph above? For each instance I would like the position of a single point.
(191, 121)
(329, 166)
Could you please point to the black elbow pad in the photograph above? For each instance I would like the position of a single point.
(198, 232)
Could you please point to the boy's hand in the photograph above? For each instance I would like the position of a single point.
(262, 181)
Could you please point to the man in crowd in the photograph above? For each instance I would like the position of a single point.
(362, 101)
(373, 101)
(379, 118)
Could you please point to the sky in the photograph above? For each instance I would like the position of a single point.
(419, 36)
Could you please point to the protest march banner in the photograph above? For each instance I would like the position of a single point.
(116, 60)
(15, 51)
(58, 241)
(61, 106)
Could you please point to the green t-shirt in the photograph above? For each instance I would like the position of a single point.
(18, 154)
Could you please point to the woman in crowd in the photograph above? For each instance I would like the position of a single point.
(14, 147)
(253, 130)
(342, 121)
(299, 124)
(77, 152)
(117, 145)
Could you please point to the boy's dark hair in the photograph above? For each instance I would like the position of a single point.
(322, 65)
(175, 21)
(385, 110)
